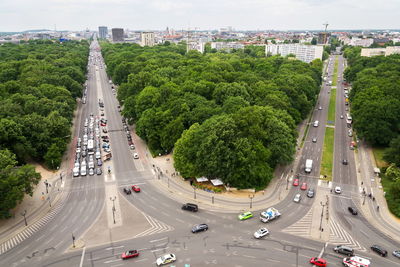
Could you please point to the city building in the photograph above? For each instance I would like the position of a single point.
(355, 41)
(226, 45)
(306, 53)
(103, 32)
(194, 45)
(147, 38)
(323, 37)
(117, 34)
(387, 51)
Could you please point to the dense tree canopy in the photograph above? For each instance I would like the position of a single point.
(237, 111)
(39, 81)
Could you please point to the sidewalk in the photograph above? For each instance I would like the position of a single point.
(368, 180)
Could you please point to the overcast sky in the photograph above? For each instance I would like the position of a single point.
(19, 15)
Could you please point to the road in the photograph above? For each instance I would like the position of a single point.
(86, 209)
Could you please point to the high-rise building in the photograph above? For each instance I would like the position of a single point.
(147, 38)
(103, 32)
(323, 37)
(306, 53)
(386, 51)
(117, 34)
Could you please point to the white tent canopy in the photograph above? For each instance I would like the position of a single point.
(216, 182)
(201, 179)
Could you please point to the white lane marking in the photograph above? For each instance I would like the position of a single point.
(83, 256)
(179, 220)
(113, 261)
(159, 249)
(248, 256)
(156, 240)
(114, 247)
(145, 259)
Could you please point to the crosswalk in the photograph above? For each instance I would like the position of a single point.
(301, 227)
(156, 227)
(30, 230)
(339, 236)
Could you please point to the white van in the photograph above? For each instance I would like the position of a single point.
(83, 170)
(76, 171)
(316, 123)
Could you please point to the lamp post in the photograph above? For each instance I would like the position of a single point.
(322, 215)
(47, 186)
(194, 192)
(251, 200)
(73, 240)
(113, 208)
(23, 214)
(48, 198)
(287, 182)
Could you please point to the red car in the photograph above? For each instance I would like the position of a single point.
(296, 182)
(130, 254)
(303, 186)
(318, 262)
(136, 188)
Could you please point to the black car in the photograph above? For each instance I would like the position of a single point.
(310, 193)
(199, 228)
(127, 191)
(345, 162)
(352, 210)
(344, 250)
(378, 249)
(190, 207)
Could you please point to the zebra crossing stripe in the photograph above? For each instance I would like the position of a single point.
(340, 236)
(301, 227)
(156, 227)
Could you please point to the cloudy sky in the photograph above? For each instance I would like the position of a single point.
(18, 15)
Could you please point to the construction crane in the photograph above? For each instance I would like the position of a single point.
(326, 25)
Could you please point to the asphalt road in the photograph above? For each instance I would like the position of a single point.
(228, 242)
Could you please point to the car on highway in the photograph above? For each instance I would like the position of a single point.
(344, 250)
(245, 215)
(338, 190)
(297, 198)
(130, 254)
(99, 171)
(378, 249)
(352, 210)
(310, 193)
(199, 228)
(396, 253)
(261, 233)
(136, 188)
(135, 155)
(296, 182)
(303, 186)
(314, 140)
(318, 262)
(165, 259)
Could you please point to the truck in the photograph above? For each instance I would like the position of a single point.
(269, 215)
(308, 166)
(356, 261)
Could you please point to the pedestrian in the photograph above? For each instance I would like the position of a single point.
(377, 207)
(362, 183)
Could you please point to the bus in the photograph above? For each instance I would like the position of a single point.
(90, 147)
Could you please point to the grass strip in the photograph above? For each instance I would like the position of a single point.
(327, 154)
(335, 71)
(332, 107)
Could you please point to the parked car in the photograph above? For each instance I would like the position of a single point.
(353, 210)
(378, 249)
(91, 171)
(261, 233)
(99, 171)
(135, 155)
(99, 162)
(130, 254)
(338, 190)
(136, 188)
(200, 228)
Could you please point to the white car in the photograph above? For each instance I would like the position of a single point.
(91, 171)
(165, 259)
(261, 233)
(135, 155)
(338, 190)
(297, 198)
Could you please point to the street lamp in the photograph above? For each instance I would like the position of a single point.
(73, 240)
(23, 214)
(194, 192)
(113, 208)
(287, 182)
(251, 200)
(322, 215)
(48, 198)
(47, 186)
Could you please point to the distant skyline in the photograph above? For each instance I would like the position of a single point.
(20, 15)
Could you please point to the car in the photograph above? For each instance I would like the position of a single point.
(130, 254)
(345, 162)
(296, 182)
(314, 140)
(78, 150)
(318, 262)
(136, 188)
(103, 124)
(132, 147)
(344, 250)
(310, 193)
(338, 190)
(106, 140)
(199, 228)
(261, 233)
(319, 108)
(245, 215)
(165, 259)
(104, 130)
(91, 171)
(99, 171)
(378, 249)
(135, 155)
(352, 210)
(99, 162)
(303, 186)
(297, 198)
(341, 116)
(396, 253)
(127, 191)
(190, 207)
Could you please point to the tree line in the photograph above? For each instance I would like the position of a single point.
(39, 81)
(224, 115)
(375, 108)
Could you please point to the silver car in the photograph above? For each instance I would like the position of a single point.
(297, 198)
